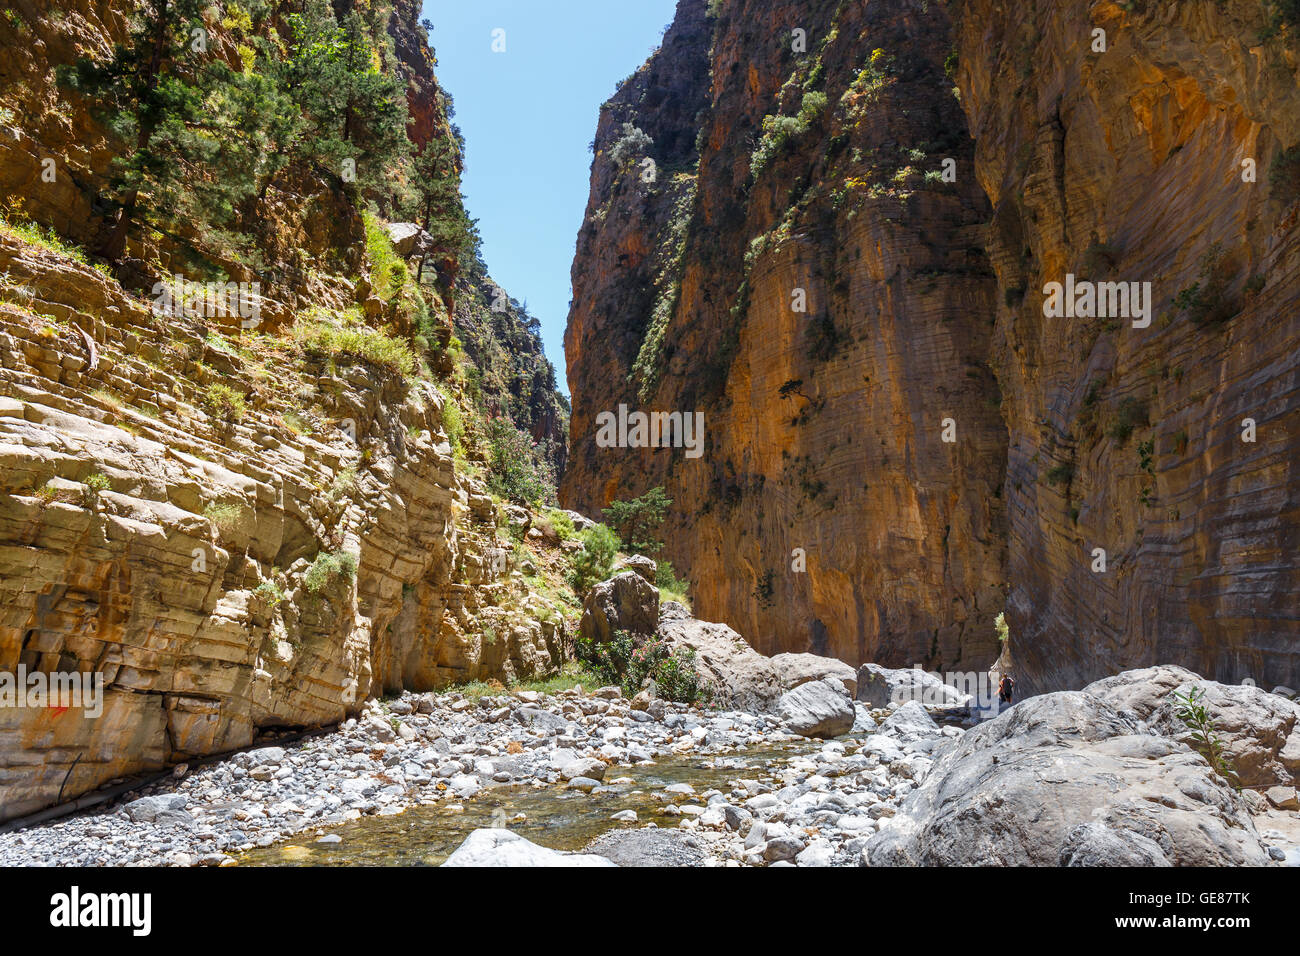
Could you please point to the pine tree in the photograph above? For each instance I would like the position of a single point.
(356, 110)
(146, 93)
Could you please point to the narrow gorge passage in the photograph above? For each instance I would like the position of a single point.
(918, 486)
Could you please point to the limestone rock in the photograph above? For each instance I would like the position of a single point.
(823, 429)
(498, 847)
(882, 687)
(817, 708)
(626, 602)
(796, 669)
(1065, 778)
(641, 565)
(741, 677)
(1260, 731)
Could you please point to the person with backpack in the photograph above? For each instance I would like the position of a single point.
(1006, 688)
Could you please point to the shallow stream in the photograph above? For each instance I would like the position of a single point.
(555, 816)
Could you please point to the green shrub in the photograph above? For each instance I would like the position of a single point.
(622, 662)
(453, 423)
(779, 132)
(678, 678)
(1130, 414)
(329, 566)
(1191, 710)
(321, 340)
(1284, 176)
(1206, 301)
(671, 587)
(388, 273)
(632, 145)
(558, 523)
(224, 403)
(225, 515)
(97, 482)
(270, 592)
(1062, 474)
(595, 561)
(344, 484)
(35, 234)
(516, 468)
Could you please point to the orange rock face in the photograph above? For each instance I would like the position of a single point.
(1132, 164)
(827, 312)
(1152, 155)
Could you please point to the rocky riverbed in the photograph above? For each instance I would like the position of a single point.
(528, 778)
(446, 750)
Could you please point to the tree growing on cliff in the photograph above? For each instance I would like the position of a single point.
(357, 111)
(149, 93)
(637, 522)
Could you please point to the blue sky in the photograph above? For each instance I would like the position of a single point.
(528, 115)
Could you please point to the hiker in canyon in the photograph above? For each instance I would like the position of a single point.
(1006, 687)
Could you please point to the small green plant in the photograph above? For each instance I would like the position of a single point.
(323, 341)
(632, 144)
(224, 403)
(1061, 474)
(43, 237)
(1191, 710)
(779, 132)
(1284, 176)
(344, 484)
(97, 482)
(557, 523)
(1002, 627)
(225, 515)
(270, 592)
(1206, 301)
(1129, 415)
(388, 273)
(671, 587)
(328, 567)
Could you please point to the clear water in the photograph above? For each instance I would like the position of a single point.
(556, 817)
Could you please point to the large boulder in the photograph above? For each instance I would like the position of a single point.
(741, 678)
(818, 708)
(910, 723)
(882, 687)
(1260, 731)
(499, 847)
(642, 565)
(795, 669)
(1066, 779)
(626, 602)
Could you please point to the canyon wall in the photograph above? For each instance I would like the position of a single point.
(237, 529)
(825, 427)
(925, 308)
(1127, 165)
